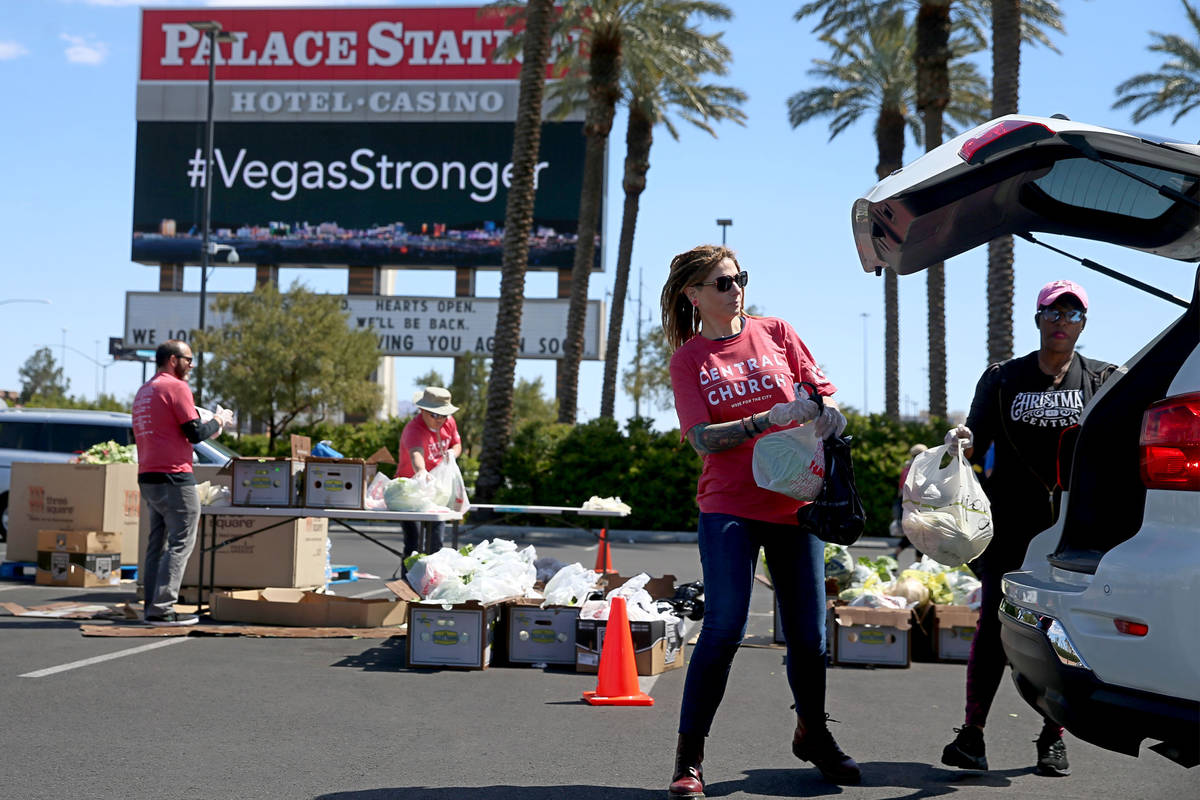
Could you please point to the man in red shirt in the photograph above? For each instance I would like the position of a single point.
(425, 442)
(165, 425)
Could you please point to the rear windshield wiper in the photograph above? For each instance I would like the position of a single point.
(1112, 273)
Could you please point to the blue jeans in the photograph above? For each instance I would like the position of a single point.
(174, 518)
(729, 556)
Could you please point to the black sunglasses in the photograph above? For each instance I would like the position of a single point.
(433, 414)
(726, 282)
(1074, 316)
(184, 358)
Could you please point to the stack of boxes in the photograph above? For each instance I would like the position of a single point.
(79, 499)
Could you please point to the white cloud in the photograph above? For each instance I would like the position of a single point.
(11, 50)
(84, 49)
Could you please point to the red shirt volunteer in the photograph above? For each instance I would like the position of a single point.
(159, 408)
(727, 379)
(433, 444)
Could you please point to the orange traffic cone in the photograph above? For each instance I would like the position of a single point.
(603, 554)
(618, 684)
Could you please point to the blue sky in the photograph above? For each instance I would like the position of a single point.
(68, 73)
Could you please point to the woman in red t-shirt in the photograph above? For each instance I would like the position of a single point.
(734, 378)
(424, 443)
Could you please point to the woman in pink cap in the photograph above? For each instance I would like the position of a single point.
(1021, 408)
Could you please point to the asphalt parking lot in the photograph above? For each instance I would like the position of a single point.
(344, 719)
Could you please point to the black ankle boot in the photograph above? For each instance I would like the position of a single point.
(688, 778)
(813, 742)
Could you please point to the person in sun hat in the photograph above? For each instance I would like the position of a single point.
(428, 438)
(1021, 409)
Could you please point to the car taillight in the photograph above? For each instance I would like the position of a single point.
(1170, 444)
(1014, 132)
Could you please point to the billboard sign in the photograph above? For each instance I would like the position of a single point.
(403, 326)
(342, 137)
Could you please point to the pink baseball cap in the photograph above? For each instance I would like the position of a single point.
(1056, 289)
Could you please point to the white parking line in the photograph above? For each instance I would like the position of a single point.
(10, 588)
(87, 662)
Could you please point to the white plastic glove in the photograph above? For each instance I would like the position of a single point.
(799, 410)
(225, 415)
(959, 438)
(831, 422)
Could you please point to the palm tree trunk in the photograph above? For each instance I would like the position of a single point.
(639, 136)
(518, 220)
(933, 94)
(1006, 69)
(889, 141)
(603, 91)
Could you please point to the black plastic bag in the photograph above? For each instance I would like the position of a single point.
(837, 515)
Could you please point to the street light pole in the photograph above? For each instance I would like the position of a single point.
(212, 29)
(724, 223)
(24, 300)
(865, 372)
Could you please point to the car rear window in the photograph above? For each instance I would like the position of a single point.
(76, 437)
(21, 435)
(1083, 183)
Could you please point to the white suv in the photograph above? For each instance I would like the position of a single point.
(1099, 623)
(60, 434)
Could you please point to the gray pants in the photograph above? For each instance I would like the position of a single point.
(174, 517)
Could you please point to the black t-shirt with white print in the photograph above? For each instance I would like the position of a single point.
(1018, 407)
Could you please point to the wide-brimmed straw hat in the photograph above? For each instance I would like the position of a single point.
(436, 400)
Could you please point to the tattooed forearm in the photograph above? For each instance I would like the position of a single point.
(716, 437)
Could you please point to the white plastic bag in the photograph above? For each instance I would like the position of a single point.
(449, 489)
(373, 497)
(946, 514)
(409, 494)
(570, 586)
(791, 462)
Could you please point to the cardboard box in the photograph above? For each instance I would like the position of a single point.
(954, 628)
(78, 558)
(291, 554)
(305, 609)
(71, 497)
(540, 635)
(334, 482)
(657, 646)
(265, 481)
(879, 636)
(459, 636)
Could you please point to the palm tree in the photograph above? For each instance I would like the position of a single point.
(518, 220)
(1007, 35)
(872, 72)
(609, 27)
(1176, 85)
(932, 56)
(652, 92)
